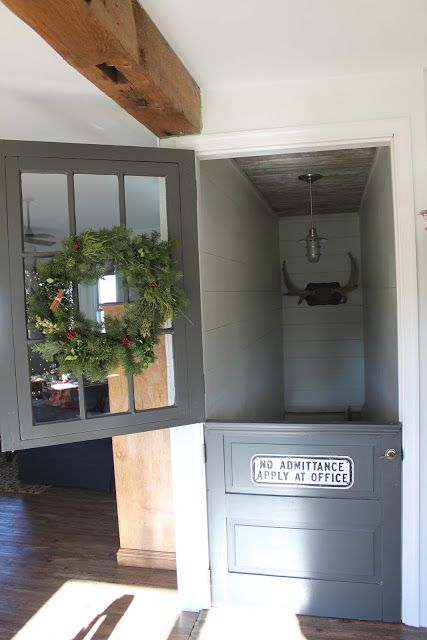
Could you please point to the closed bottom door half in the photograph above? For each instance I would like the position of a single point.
(306, 517)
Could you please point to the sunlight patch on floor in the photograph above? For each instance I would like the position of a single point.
(85, 610)
(251, 623)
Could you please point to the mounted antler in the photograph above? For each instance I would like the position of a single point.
(321, 293)
(353, 281)
(291, 287)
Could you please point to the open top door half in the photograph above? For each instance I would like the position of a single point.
(49, 191)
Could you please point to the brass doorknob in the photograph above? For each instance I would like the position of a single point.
(390, 454)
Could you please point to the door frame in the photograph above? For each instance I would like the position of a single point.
(396, 134)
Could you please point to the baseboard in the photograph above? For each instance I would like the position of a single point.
(147, 559)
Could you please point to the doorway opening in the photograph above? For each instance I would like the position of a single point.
(314, 340)
(301, 365)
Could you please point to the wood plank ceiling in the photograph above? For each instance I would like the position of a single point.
(344, 172)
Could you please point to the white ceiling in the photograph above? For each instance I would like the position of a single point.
(232, 42)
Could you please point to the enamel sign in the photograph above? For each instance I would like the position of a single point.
(325, 472)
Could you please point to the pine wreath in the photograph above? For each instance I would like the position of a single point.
(80, 345)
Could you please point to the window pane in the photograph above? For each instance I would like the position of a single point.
(111, 395)
(96, 201)
(145, 198)
(54, 397)
(155, 387)
(108, 396)
(45, 218)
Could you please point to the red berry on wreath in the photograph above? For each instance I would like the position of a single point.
(154, 284)
(125, 342)
(77, 244)
(70, 334)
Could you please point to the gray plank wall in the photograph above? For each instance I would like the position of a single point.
(323, 346)
(379, 293)
(241, 300)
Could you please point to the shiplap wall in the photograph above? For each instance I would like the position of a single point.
(241, 299)
(323, 345)
(379, 293)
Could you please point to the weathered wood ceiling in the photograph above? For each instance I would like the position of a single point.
(344, 171)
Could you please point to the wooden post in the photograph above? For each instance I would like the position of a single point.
(142, 469)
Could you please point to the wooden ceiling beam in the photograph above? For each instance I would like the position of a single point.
(115, 45)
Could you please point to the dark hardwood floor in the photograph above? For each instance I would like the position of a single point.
(51, 540)
(59, 581)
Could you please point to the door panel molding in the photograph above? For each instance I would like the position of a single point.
(268, 543)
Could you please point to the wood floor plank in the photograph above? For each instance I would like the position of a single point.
(63, 535)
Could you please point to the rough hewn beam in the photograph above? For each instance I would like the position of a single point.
(115, 45)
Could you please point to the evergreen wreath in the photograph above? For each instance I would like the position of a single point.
(80, 345)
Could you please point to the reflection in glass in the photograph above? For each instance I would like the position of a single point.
(145, 199)
(107, 291)
(110, 395)
(45, 219)
(88, 301)
(155, 387)
(107, 397)
(54, 397)
(96, 201)
(30, 281)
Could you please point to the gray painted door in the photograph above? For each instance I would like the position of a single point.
(70, 188)
(306, 517)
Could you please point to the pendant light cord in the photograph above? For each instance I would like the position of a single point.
(311, 202)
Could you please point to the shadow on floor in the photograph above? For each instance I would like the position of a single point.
(107, 620)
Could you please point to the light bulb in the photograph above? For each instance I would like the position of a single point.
(312, 246)
(312, 241)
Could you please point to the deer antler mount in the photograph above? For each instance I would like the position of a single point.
(323, 293)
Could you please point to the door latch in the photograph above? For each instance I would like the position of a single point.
(389, 454)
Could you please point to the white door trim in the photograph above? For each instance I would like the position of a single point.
(394, 133)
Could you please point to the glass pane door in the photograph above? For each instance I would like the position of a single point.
(49, 199)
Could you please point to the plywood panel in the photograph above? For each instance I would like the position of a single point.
(151, 386)
(142, 469)
(117, 380)
(142, 465)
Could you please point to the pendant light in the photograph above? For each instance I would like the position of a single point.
(312, 240)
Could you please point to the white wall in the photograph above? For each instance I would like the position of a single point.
(379, 293)
(241, 300)
(323, 345)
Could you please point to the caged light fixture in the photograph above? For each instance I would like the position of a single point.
(312, 240)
